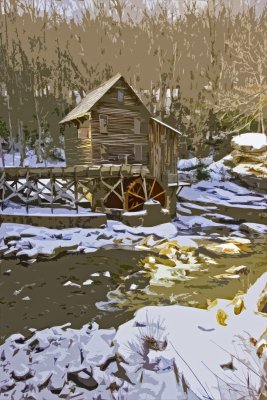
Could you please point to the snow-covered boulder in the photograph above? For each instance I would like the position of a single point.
(249, 159)
(58, 362)
(252, 228)
(250, 142)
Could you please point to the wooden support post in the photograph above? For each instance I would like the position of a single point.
(27, 191)
(17, 178)
(76, 190)
(122, 189)
(3, 190)
(52, 190)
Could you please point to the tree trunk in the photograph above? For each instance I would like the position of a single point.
(2, 156)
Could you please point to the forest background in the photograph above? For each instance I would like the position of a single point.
(198, 65)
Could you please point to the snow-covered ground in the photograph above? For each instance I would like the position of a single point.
(170, 352)
(217, 192)
(31, 242)
(30, 160)
(191, 163)
(219, 203)
(207, 350)
(222, 193)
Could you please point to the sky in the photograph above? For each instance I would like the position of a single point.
(73, 8)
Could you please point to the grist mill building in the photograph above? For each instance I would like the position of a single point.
(114, 127)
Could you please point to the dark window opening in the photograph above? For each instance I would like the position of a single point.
(103, 123)
(83, 133)
(120, 96)
(137, 126)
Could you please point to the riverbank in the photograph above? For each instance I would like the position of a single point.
(173, 271)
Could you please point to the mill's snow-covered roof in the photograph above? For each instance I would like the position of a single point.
(166, 125)
(90, 100)
(93, 97)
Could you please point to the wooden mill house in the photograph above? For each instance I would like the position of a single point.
(116, 131)
(121, 162)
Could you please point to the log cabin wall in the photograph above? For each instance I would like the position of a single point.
(78, 144)
(172, 151)
(163, 143)
(124, 118)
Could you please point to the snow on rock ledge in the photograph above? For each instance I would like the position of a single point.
(252, 142)
(251, 228)
(249, 159)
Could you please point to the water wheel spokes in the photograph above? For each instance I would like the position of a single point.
(155, 191)
(135, 195)
(140, 190)
(114, 193)
(152, 187)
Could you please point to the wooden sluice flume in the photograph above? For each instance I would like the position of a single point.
(83, 191)
(124, 187)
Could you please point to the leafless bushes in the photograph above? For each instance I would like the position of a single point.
(151, 336)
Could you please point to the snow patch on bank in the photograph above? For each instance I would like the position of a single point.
(250, 141)
(205, 352)
(218, 192)
(30, 242)
(191, 163)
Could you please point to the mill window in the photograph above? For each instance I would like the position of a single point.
(83, 133)
(137, 126)
(103, 123)
(140, 152)
(120, 96)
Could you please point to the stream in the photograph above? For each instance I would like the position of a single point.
(109, 286)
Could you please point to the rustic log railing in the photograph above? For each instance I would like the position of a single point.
(58, 187)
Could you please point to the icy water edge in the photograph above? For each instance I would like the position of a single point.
(34, 296)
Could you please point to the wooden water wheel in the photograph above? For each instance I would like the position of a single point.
(132, 193)
(141, 190)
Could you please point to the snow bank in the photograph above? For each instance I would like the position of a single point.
(167, 230)
(247, 163)
(229, 194)
(253, 228)
(207, 353)
(31, 160)
(59, 362)
(191, 163)
(32, 242)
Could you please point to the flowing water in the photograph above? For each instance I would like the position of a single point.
(35, 296)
